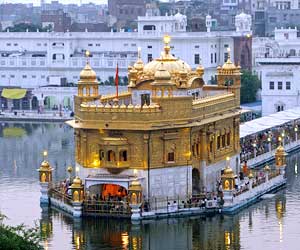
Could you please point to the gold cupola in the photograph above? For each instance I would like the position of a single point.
(88, 86)
(171, 63)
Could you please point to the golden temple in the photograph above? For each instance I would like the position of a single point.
(168, 135)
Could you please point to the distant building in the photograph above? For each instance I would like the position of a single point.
(277, 62)
(126, 10)
(58, 20)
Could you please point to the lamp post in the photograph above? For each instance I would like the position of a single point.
(282, 137)
(269, 143)
(254, 149)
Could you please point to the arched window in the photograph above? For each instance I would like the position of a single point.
(123, 155)
(149, 27)
(111, 156)
(101, 155)
(171, 157)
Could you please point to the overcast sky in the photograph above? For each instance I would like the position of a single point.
(37, 2)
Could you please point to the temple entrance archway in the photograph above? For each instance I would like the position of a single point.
(195, 181)
(107, 192)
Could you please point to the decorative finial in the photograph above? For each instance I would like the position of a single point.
(167, 39)
(139, 52)
(87, 55)
(45, 154)
(228, 51)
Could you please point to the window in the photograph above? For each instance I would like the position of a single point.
(33, 76)
(133, 45)
(288, 85)
(211, 58)
(215, 57)
(24, 76)
(228, 139)
(196, 46)
(145, 99)
(101, 155)
(123, 155)
(12, 76)
(171, 157)
(111, 156)
(226, 45)
(271, 85)
(197, 59)
(149, 46)
(98, 44)
(225, 56)
(223, 141)
(279, 85)
(2, 76)
(15, 44)
(149, 57)
(218, 142)
(8, 44)
(43, 76)
(90, 45)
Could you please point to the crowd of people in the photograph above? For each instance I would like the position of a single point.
(264, 141)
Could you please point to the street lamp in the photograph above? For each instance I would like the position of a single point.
(296, 132)
(269, 143)
(254, 149)
(282, 135)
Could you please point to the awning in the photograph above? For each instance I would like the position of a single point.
(14, 93)
(13, 132)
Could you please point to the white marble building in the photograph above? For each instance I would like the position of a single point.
(33, 59)
(277, 62)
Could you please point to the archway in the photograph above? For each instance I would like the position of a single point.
(107, 192)
(195, 181)
(34, 103)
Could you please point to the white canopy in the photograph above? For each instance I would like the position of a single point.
(267, 122)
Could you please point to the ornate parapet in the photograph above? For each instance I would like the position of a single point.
(121, 96)
(116, 108)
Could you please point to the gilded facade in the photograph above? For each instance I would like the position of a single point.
(170, 130)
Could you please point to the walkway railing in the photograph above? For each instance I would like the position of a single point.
(107, 208)
(58, 195)
(166, 205)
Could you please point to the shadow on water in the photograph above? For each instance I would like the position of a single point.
(269, 224)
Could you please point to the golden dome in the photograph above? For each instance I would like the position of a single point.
(280, 150)
(267, 168)
(229, 65)
(171, 64)
(162, 73)
(228, 171)
(88, 74)
(135, 186)
(77, 182)
(250, 175)
(45, 165)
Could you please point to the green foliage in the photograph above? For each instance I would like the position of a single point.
(249, 86)
(23, 27)
(19, 237)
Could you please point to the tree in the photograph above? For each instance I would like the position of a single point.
(19, 237)
(23, 27)
(249, 86)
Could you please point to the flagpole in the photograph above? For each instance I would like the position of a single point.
(117, 81)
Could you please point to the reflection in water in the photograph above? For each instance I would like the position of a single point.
(269, 224)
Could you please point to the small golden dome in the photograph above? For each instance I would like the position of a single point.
(250, 175)
(139, 65)
(77, 182)
(267, 168)
(162, 74)
(280, 150)
(135, 186)
(70, 169)
(45, 165)
(228, 171)
(88, 74)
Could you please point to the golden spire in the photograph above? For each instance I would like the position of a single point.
(88, 74)
(139, 65)
(167, 40)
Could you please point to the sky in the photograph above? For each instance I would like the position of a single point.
(37, 2)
